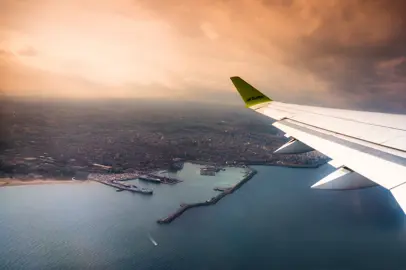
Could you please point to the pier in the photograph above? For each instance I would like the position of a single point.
(164, 179)
(112, 176)
(213, 200)
(121, 187)
(150, 179)
(116, 181)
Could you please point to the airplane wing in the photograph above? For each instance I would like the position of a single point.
(366, 148)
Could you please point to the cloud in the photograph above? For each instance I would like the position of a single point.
(28, 51)
(347, 53)
(335, 46)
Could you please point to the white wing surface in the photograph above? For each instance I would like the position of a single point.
(369, 147)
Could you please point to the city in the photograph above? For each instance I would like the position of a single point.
(61, 140)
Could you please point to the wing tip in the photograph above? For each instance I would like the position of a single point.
(250, 95)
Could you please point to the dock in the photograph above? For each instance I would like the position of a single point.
(150, 179)
(117, 181)
(121, 187)
(164, 179)
(213, 200)
(113, 176)
(210, 170)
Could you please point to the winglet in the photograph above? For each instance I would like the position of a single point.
(249, 94)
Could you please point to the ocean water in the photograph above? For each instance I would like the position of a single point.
(275, 221)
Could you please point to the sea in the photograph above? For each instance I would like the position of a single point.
(274, 221)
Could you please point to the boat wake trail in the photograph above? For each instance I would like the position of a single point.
(152, 240)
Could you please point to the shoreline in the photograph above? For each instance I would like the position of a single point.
(11, 182)
(255, 163)
(292, 166)
(8, 182)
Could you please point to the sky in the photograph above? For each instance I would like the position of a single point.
(342, 53)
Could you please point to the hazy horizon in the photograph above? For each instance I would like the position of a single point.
(346, 54)
(234, 102)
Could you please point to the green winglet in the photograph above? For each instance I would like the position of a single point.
(249, 94)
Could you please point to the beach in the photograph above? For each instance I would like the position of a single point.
(7, 182)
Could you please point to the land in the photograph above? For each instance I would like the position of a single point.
(6, 182)
(58, 139)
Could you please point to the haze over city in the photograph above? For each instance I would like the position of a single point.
(337, 53)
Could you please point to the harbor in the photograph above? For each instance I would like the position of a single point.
(224, 191)
(119, 182)
(116, 181)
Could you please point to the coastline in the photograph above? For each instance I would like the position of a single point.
(8, 182)
(11, 182)
(293, 166)
(255, 163)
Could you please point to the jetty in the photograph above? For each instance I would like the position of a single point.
(163, 179)
(116, 181)
(184, 207)
(121, 187)
(112, 176)
(150, 179)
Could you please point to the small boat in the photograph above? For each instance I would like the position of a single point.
(152, 240)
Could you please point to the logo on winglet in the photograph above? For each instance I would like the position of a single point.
(254, 98)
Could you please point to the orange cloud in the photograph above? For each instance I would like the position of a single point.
(294, 50)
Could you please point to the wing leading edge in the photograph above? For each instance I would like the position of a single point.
(368, 148)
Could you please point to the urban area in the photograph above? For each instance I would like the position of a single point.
(64, 140)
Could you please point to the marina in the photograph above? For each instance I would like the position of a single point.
(119, 182)
(213, 200)
(116, 181)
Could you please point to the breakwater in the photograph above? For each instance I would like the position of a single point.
(213, 200)
(222, 189)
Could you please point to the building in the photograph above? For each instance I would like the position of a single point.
(204, 171)
(176, 164)
(81, 175)
(209, 170)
